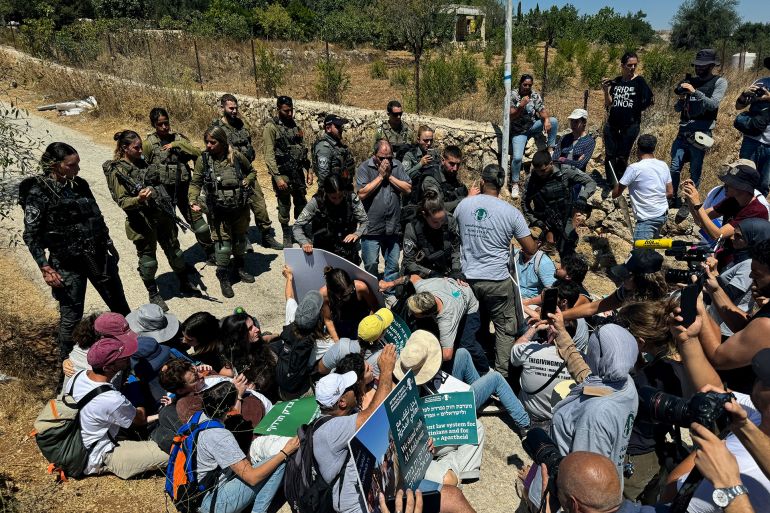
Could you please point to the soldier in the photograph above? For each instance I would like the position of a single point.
(395, 131)
(225, 174)
(286, 160)
(239, 137)
(334, 220)
(331, 156)
(167, 155)
(443, 179)
(423, 157)
(61, 215)
(149, 220)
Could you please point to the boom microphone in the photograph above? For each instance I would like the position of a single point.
(660, 243)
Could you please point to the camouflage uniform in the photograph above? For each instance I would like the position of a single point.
(65, 219)
(333, 157)
(227, 203)
(171, 166)
(239, 137)
(400, 140)
(286, 158)
(146, 225)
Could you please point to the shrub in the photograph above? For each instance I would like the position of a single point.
(593, 67)
(489, 54)
(572, 49)
(274, 21)
(79, 43)
(378, 70)
(535, 58)
(270, 70)
(38, 37)
(333, 81)
(662, 66)
(401, 77)
(559, 72)
(439, 84)
(467, 72)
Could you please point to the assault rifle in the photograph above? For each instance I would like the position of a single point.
(159, 197)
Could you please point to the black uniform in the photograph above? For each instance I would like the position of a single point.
(432, 253)
(64, 219)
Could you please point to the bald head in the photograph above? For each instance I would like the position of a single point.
(589, 479)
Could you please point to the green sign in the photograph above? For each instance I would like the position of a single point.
(397, 333)
(285, 418)
(451, 418)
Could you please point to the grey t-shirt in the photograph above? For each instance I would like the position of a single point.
(487, 227)
(736, 283)
(383, 206)
(458, 300)
(346, 346)
(217, 448)
(330, 448)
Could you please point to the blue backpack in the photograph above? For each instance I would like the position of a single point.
(182, 483)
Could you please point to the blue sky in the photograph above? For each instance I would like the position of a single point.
(659, 12)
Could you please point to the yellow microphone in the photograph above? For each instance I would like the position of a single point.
(659, 243)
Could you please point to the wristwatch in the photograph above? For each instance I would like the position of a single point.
(722, 497)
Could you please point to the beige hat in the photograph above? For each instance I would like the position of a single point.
(578, 114)
(421, 355)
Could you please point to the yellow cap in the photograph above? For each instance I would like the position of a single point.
(371, 327)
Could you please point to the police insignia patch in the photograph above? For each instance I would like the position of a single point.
(408, 246)
(323, 162)
(31, 214)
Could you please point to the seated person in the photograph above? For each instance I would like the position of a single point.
(151, 321)
(573, 269)
(323, 341)
(146, 363)
(536, 272)
(575, 148)
(201, 333)
(84, 337)
(371, 331)
(346, 302)
(366, 380)
(181, 379)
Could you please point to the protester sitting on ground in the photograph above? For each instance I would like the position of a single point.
(649, 185)
(146, 363)
(150, 320)
(536, 272)
(366, 379)
(369, 343)
(575, 148)
(641, 279)
(103, 417)
(236, 484)
(113, 325)
(731, 286)
(83, 336)
(241, 335)
(346, 302)
(542, 369)
(180, 378)
(456, 312)
(201, 333)
(572, 269)
(422, 353)
(323, 341)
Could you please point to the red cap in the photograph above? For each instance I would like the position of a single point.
(109, 350)
(114, 325)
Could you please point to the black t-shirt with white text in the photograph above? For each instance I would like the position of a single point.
(629, 99)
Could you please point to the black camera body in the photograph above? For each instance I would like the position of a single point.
(679, 90)
(539, 446)
(693, 255)
(705, 408)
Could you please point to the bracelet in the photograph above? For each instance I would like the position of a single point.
(284, 453)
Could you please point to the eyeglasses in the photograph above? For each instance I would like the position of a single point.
(389, 157)
(427, 140)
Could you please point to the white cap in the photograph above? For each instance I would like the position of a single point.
(330, 388)
(579, 114)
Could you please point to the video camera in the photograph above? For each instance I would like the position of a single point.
(693, 254)
(679, 90)
(705, 408)
(539, 446)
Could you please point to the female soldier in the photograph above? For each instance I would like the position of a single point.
(167, 155)
(225, 173)
(147, 224)
(61, 215)
(333, 220)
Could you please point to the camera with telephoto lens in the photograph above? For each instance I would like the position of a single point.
(694, 256)
(539, 446)
(679, 90)
(705, 408)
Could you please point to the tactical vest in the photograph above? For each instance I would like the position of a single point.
(341, 163)
(553, 201)
(74, 224)
(331, 224)
(399, 141)
(449, 191)
(224, 183)
(290, 153)
(693, 109)
(238, 138)
(166, 165)
(436, 257)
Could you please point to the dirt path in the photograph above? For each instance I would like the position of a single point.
(493, 493)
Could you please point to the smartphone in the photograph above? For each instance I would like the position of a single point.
(550, 298)
(431, 502)
(689, 303)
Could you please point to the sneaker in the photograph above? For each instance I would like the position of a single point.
(682, 214)
(515, 191)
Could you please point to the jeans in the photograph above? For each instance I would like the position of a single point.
(467, 339)
(372, 245)
(519, 143)
(490, 383)
(649, 228)
(681, 153)
(760, 153)
(234, 495)
(618, 142)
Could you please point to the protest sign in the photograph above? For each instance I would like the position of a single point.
(397, 333)
(285, 418)
(390, 450)
(451, 418)
(309, 271)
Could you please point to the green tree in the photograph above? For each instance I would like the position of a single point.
(700, 23)
(273, 21)
(118, 8)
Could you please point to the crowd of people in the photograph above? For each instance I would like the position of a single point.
(598, 388)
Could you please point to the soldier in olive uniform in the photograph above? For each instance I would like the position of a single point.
(168, 154)
(422, 157)
(149, 221)
(286, 160)
(224, 174)
(395, 131)
(239, 137)
(61, 215)
(331, 156)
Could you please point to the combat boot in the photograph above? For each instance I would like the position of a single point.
(223, 275)
(245, 276)
(210, 257)
(268, 240)
(288, 238)
(154, 293)
(186, 288)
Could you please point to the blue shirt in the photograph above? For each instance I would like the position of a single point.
(532, 279)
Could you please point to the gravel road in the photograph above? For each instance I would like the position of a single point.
(503, 453)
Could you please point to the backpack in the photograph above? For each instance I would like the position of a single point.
(57, 431)
(292, 370)
(305, 489)
(182, 483)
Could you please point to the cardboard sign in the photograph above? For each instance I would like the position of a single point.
(285, 418)
(451, 418)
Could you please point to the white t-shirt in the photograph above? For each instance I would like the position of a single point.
(321, 344)
(100, 419)
(646, 181)
(751, 476)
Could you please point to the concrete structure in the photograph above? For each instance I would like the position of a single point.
(469, 21)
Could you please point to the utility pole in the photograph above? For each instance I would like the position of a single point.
(507, 85)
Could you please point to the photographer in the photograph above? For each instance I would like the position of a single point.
(699, 99)
(755, 127)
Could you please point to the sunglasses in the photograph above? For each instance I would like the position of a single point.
(397, 114)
